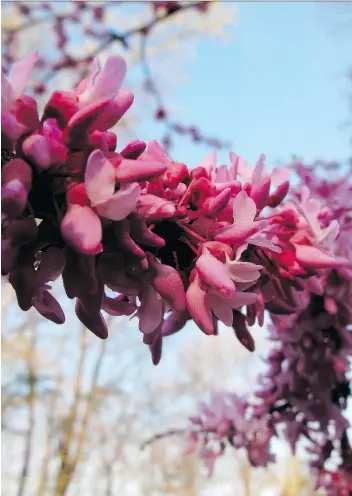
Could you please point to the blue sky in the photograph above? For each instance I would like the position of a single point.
(278, 88)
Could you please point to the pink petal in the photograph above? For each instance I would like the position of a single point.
(199, 307)
(330, 234)
(81, 228)
(314, 258)
(151, 310)
(13, 198)
(239, 233)
(95, 323)
(156, 348)
(10, 126)
(215, 274)
(152, 207)
(222, 309)
(244, 271)
(234, 159)
(36, 148)
(280, 176)
(114, 111)
(133, 150)
(209, 162)
(156, 152)
(260, 191)
(20, 74)
(99, 178)
(87, 84)
(175, 322)
(138, 170)
(279, 195)
(52, 264)
(47, 306)
(259, 170)
(84, 121)
(221, 174)
(240, 298)
(6, 92)
(244, 208)
(215, 205)
(259, 240)
(168, 283)
(235, 186)
(107, 82)
(118, 306)
(244, 170)
(143, 235)
(121, 204)
(241, 331)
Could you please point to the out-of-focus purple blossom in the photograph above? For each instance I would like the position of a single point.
(227, 420)
(304, 391)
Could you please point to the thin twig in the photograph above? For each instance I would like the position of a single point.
(156, 437)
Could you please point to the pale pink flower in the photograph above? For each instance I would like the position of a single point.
(245, 230)
(310, 208)
(222, 307)
(13, 85)
(100, 185)
(104, 84)
(215, 274)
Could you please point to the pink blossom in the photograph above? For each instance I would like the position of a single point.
(100, 186)
(16, 81)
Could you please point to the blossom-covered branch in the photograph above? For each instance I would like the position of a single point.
(190, 244)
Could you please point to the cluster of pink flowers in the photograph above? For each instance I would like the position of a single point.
(305, 390)
(193, 244)
(228, 420)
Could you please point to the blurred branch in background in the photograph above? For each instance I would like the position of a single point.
(93, 403)
(69, 35)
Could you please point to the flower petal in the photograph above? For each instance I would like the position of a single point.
(215, 274)
(156, 348)
(260, 240)
(99, 178)
(239, 298)
(37, 148)
(259, 170)
(48, 307)
(234, 159)
(175, 322)
(151, 310)
(121, 203)
(239, 233)
(244, 170)
(168, 283)
(222, 309)
(209, 162)
(95, 323)
(81, 228)
(280, 176)
(138, 170)
(20, 74)
(244, 271)
(107, 82)
(314, 258)
(241, 331)
(199, 307)
(244, 208)
(114, 111)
